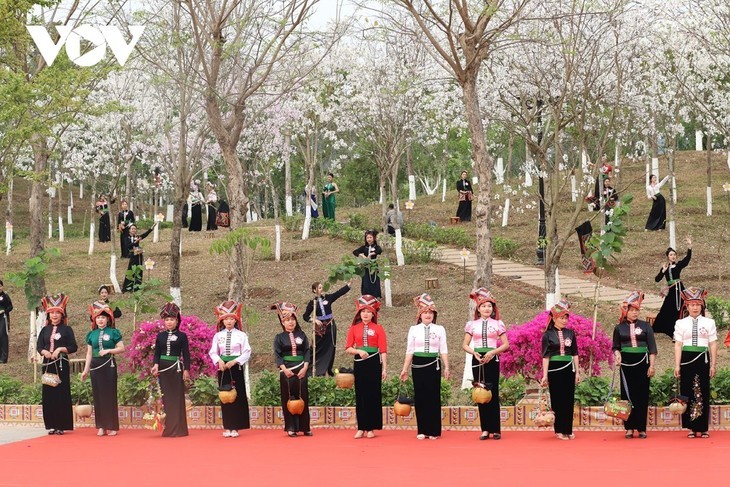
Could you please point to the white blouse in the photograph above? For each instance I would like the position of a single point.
(417, 339)
(238, 346)
(652, 191)
(706, 331)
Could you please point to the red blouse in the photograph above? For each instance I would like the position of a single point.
(376, 337)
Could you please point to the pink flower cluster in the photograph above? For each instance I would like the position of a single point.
(525, 346)
(140, 354)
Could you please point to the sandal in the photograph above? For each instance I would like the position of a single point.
(100, 432)
(111, 432)
(497, 436)
(291, 434)
(59, 432)
(420, 437)
(370, 434)
(705, 435)
(692, 435)
(642, 435)
(51, 432)
(359, 434)
(561, 436)
(629, 434)
(484, 436)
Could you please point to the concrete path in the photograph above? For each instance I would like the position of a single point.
(11, 434)
(534, 276)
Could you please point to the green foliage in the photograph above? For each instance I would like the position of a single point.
(720, 310)
(420, 252)
(148, 222)
(592, 391)
(358, 220)
(351, 266)
(324, 392)
(34, 270)
(131, 390)
(81, 392)
(31, 394)
(293, 223)
(504, 247)
(266, 390)
(9, 389)
(144, 297)
(204, 391)
(241, 236)
(602, 247)
(662, 388)
(443, 235)
(511, 390)
(720, 387)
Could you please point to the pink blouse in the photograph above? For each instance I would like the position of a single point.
(485, 333)
(430, 339)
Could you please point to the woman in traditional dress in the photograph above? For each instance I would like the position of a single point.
(425, 353)
(370, 279)
(104, 292)
(634, 351)
(102, 209)
(125, 218)
(466, 194)
(172, 369)
(671, 270)
(695, 361)
(367, 342)
(482, 337)
(325, 328)
(104, 342)
(196, 209)
(658, 214)
(136, 258)
(6, 306)
(328, 197)
(230, 351)
(211, 200)
(55, 341)
(560, 365)
(293, 355)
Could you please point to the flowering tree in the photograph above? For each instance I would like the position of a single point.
(524, 355)
(140, 354)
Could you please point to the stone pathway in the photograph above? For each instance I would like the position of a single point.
(534, 276)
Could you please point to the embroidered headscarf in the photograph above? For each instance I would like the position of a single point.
(481, 296)
(55, 302)
(171, 310)
(693, 295)
(560, 308)
(285, 310)
(228, 309)
(97, 309)
(424, 302)
(633, 300)
(368, 302)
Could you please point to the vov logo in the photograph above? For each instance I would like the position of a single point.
(70, 36)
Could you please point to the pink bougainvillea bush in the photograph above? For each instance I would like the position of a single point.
(140, 354)
(525, 347)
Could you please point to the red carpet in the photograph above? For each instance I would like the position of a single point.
(332, 458)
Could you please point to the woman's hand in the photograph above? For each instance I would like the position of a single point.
(544, 381)
(577, 378)
(46, 354)
(447, 374)
(186, 375)
(688, 241)
(403, 375)
(712, 371)
(84, 374)
(383, 374)
(231, 364)
(363, 354)
(221, 365)
(488, 356)
(650, 372)
(103, 352)
(155, 370)
(55, 354)
(302, 373)
(288, 373)
(676, 372)
(665, 266)
(617, 359)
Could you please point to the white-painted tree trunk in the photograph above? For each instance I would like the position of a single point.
(528, 176)
(674, 190)
(505, 213)
(35, 322)
(382, 196)
(584, 161)
(709, 200)
(307, 222)
(672, 234)
(400, 259)
(655, 168)
(8, 237)
(170, 213)
(277, 247)
(247, 380)
(648, 174)
(81, 191)
(549, 300)
(617, 155)
(69, 215)
(50, 227)
(388, 295)
(92, 230)
(60, 229)
(70, 197)
(728, 159)
(113, 273)
(443, 192)
(412, 187)
(499, 171)
(176, 295)
(573, 189)
(699, 137)
(130, 203)
(288, 205)
(558, 297)
(156, 234)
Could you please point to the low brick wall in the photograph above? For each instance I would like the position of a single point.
(515, 418)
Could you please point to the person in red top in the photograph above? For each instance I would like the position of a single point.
(366, 340)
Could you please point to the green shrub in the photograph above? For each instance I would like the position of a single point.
(662, 388)
(592, 391)
(420, 251)
(504, 247)
(358, 220)
(720, 387)
(293, 223)
(133, 391)
(324, 392)
(204, 391)
(144, 223)
(31, 394)
(720, 310)
(266, 390)
(451, 236)
(81, 390)
(10, 390)
(511, 390)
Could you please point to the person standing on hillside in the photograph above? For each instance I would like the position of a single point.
(658, 214)
(102, 209)
(6, 306)
(329, 204)
(672, 292)
(196, 209)
(325, 329)
(212, 200)
(466, 195)
(370, 278)
(125, 219)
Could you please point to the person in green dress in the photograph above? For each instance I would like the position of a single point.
(328, 197)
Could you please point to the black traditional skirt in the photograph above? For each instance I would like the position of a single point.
(235, 415)
(669, 312)
(173, 398)
(105, 232)
(561, 381)
(489, 413)
(463, 211)
(104, 386)
(427, 394)
(694, 382)
(294, 387)
(635, 366)
(196, 218)
(56, 401)
(325, 347)
(658, 214)
(368, 393)
(211, 225)
(370, 284)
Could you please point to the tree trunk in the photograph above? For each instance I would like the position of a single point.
(238, 203)
(277, 225)
(37, 238)
(708, 152)
(287, 182)
(483, 165)
(9, 216)
(672, 199)
(400, 259)
(411, 175)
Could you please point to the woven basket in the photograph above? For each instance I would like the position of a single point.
(344, 380)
